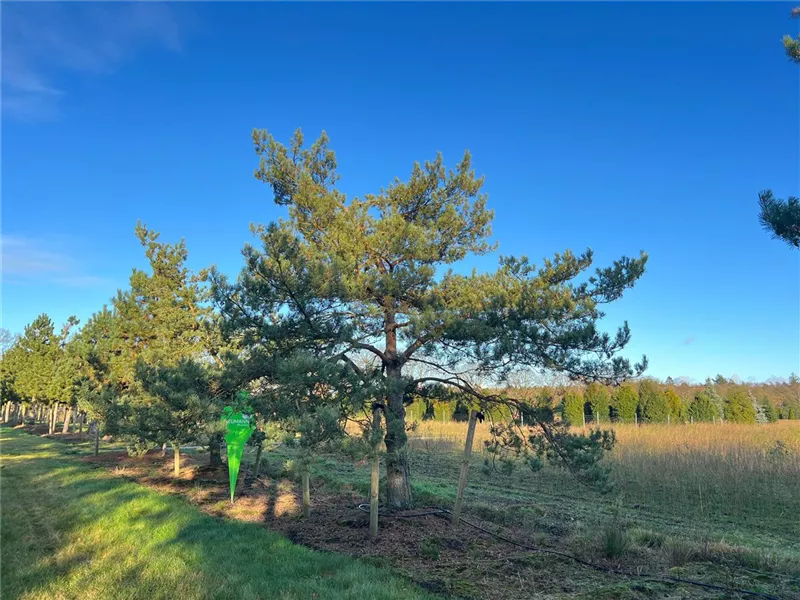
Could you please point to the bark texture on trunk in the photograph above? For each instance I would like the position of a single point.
(215, 450)
(398, 486)
(67, 418)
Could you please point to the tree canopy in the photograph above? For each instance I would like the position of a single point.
(781, 218)
(369, 283)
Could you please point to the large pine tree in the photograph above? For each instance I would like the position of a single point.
(346, 279)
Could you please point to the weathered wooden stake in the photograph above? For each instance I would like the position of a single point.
(375, 479)
(306, 495)
(177, 456)
(462, 479)
(257, 466)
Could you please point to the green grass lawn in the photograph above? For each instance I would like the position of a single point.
(72, 531)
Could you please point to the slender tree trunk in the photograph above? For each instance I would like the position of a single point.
(81, 417)
(96, 438)
(398, 486)
(215, 450)
(164, 450)
(53, 418)
(306, 494)
(177, 456)
(6, 412)
(462, 479)
(15, 415)
(67, 418)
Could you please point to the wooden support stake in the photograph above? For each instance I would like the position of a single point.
(177, 457)
(306, 495)
(462, 479)
(375, 479)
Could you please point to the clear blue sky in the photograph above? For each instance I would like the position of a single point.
(619, 127)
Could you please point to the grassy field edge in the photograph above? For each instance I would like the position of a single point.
(71, 531)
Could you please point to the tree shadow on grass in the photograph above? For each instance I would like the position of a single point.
(70, 531)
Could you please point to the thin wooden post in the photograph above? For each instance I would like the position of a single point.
(462, 479)
(96, 438)
(257, 466)
(177, 461)
(375, 477)
(306, 495)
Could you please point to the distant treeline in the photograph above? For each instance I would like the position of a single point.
(644, 401)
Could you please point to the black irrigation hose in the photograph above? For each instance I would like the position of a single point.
(440, 512)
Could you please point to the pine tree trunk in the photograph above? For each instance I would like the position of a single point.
(67, 418)
(177, 457)
(81, 417)
(398, 486)
(215, 450)
(96, 438)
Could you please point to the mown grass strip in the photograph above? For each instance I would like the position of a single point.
(71, 531)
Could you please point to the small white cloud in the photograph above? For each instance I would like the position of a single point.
(27, 260)
(43, 39)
